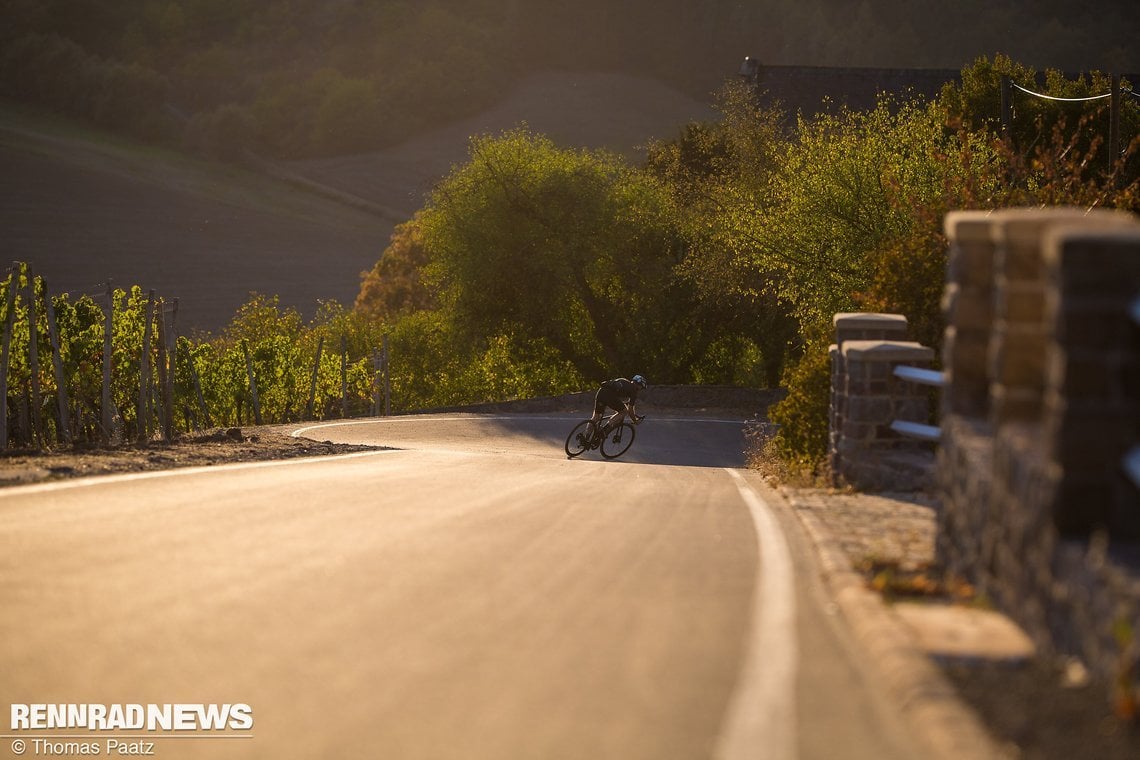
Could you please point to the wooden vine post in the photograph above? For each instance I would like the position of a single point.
(387, 380)
(144, 430)
(313, 381)
(10, 308)
(34, 361)
(169, 344)
(252, 383)
(108, 332)
(160, 366)
(343, 377)
(57, 365)
(198, 390)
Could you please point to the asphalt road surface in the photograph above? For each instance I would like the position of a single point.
(469, 593)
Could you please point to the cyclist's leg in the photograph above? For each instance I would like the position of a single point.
(599, 405)
(604, 398)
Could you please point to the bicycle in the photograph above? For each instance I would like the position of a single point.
(614, 437)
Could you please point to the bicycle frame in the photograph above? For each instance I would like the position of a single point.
(606, 424)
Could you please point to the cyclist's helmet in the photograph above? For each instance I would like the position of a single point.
(640, 382)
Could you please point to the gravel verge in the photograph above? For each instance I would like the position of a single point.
(213, 447)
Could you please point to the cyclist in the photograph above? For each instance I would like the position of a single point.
(620, 395)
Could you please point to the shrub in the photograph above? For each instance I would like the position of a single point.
(802, 415)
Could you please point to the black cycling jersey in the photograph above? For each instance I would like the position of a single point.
(616, 394)
(626, 389)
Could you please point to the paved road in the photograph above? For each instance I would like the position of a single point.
(470, 593)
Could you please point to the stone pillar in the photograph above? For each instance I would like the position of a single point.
(1016, 356)
(868, 326)
(1092, 383)
(968, 308)
(872, 398)
(965, 455)
(853, 326)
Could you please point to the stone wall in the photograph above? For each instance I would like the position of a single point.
(1042, 402)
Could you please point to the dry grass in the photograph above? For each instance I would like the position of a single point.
(761, 455)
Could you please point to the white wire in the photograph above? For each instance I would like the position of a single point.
(1066, 100)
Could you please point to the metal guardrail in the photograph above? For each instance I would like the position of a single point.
(1132, 465)
(929, 377)
(934, 379)
(1132, 458)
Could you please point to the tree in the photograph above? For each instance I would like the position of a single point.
(714, 170)
(395, 286)
(569, 247)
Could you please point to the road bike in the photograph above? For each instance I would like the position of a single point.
(614, 436)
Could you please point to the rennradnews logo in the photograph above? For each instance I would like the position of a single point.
(132, 717)
(119, 729)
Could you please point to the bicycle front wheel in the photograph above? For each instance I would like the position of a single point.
(618, 441)
(577, 442)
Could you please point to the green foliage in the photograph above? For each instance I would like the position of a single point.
(558, 246)
(883, 197)
(803, 414)
(830, 211)
(430, 370)
(1041, 126)
(580, 252)
(715, 172)
(731, 360)
(282, 352)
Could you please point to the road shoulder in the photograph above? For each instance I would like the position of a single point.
(919, 689)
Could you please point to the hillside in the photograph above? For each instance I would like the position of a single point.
(617, 112)
(82, 207)
(311, 78)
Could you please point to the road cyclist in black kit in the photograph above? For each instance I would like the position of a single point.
(620, 395)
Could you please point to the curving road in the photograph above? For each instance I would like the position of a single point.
(468, 593)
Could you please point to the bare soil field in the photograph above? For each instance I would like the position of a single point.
(209, 448)
(617, 112)
(81, 207)
(82, 211)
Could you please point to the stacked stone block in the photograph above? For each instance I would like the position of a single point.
(964, 543)
(968, 305)
(1020, 334)
(965, 456)
(867, 398)
(1092, 380)
(853, 326)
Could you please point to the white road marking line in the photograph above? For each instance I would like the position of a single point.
(761, 717)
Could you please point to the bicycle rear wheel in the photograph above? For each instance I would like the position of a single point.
(618, 441)
(577, 442)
